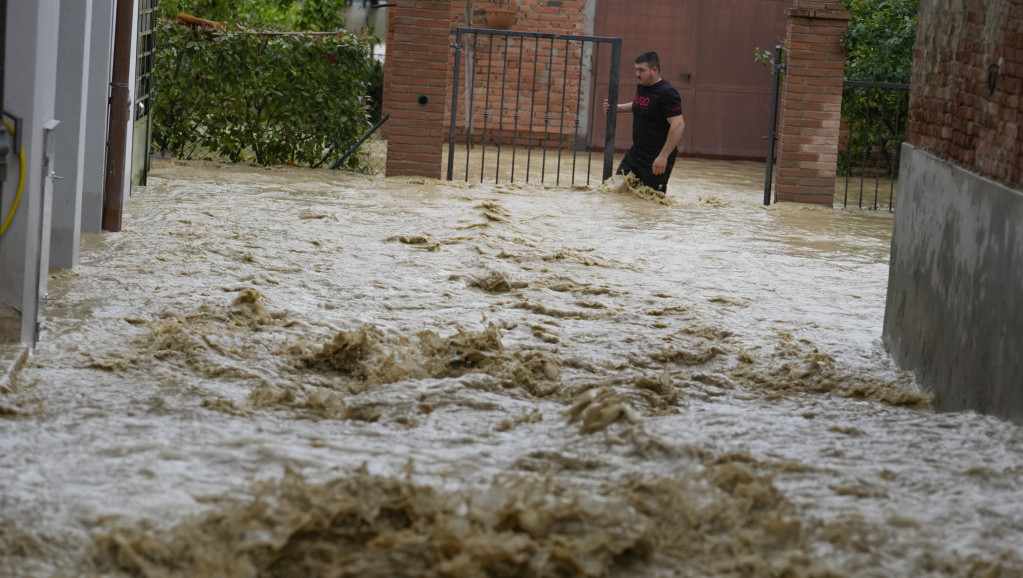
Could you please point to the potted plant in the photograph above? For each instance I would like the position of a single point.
(500, 14)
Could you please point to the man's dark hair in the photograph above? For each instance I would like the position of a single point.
(650, 57)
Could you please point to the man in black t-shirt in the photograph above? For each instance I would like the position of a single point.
(656, 127)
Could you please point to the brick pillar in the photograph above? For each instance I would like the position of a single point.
(415, 78)
(811, 102)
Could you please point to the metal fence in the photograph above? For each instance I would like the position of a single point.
(530, 103)
(369, 154)
(872, 130)
(874, 126)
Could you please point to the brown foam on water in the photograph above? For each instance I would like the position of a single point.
(494, 211)
(798, 367)
(211, 341)
(598, 409)
(424, 242)
(250, 309)
(372, 356)
(495, 282)
(217, 343)
(726, 519)
(630, 184)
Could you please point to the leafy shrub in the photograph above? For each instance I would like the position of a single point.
(274, 98)
(375, 93)
(260, 14)
(878, 42)
(878, 46)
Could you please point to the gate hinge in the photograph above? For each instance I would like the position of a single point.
(456, 45)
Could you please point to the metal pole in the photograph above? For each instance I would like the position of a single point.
(612, 114)
(470, 84)
(772, 131)
(547, 113)
(486, 110)
(592, 97)
(532, 108)
(578, 109)
(120, 114)
(368, 134)
(454, 104)
(518, 94)
(500, 114)
(849, 147)
(880, 150)
(894, 155)
(561, 137)
(866, 152)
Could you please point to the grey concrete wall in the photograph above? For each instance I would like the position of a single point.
(97, 119)
(954, 313)
(30, 78)
(69, 162)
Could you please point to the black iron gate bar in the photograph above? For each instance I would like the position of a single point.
(868, 145)
(609, 137)
(777, 68)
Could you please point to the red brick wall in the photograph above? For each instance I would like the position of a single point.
(417, 69)
(547, 93)
(811, 102)
(953, 114)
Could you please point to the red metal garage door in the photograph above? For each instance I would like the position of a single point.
(706, 49)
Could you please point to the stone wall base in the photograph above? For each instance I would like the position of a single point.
(954, 312)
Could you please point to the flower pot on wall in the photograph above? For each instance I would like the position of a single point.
(501, 15)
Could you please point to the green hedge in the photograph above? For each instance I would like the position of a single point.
(275, 99)
(263, 14)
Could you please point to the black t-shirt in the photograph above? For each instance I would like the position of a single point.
(651, 108)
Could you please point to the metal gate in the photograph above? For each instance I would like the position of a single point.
(777, 69)
(873, 127)
(142, 124)
(874, 118)
(529, 96)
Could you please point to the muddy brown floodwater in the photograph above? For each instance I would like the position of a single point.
(290, 372)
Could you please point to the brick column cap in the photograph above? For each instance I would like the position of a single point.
(818, 9)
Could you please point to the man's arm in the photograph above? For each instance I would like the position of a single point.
(678, 125)
(625, 107)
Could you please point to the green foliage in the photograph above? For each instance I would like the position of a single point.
(375, 94)
(276, 99)
(317, 15)
(878, 45)
(878, 42)
(764, 57)
(263, 14)
(877, 126)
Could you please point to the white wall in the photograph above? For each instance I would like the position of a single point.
(30, 79)
(101, 53)
(73, 70)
